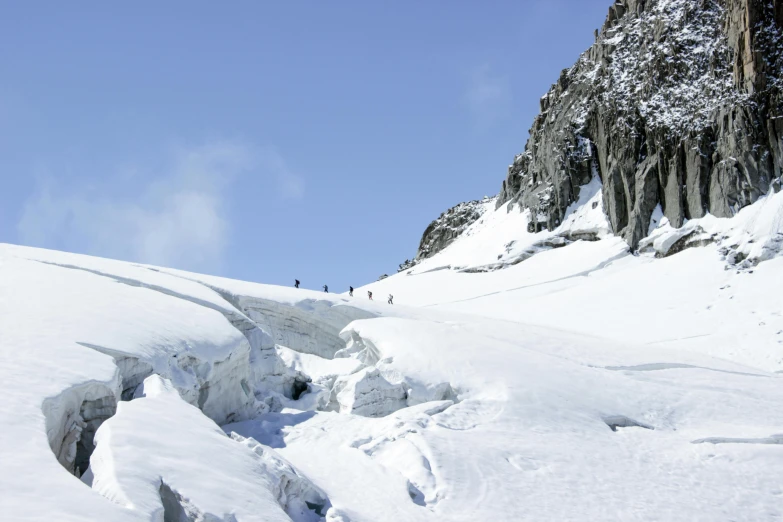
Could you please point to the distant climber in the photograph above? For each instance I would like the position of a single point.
(350, 291)
(296, 283)
(326, 289)
(391, 299)
(369, 294)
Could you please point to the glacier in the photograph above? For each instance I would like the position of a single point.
(579, 380)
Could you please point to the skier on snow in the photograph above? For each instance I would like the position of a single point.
(391, 299)
(369, 294)
(296, 283)
(326, 289)
(350, 291)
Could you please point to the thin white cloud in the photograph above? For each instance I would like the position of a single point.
(178, 219)
(289, 183)
(487, 96)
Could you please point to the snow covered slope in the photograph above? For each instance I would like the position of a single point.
(711, 286)
(520, 376)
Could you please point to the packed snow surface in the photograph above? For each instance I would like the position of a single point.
(519, 377)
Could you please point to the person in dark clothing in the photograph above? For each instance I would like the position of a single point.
(391, 299)
(326, 289)
(350, 291)
(369, 294)
(296, 283)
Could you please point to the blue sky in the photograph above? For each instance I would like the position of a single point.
(266, 140)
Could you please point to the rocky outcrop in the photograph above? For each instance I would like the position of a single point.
(442, 231)
(677, 103)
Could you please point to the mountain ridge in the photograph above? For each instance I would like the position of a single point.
(677, 104)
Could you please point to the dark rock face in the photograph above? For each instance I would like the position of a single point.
(679, 102)
(446, 229)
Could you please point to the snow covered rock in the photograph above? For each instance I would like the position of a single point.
(445, 229)
(677, 102)
(754, 235)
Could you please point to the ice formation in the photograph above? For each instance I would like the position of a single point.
(587, 381)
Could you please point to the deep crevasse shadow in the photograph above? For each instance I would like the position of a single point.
(267, 428)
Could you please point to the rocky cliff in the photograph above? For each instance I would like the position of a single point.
(449, 225)
(677, 103)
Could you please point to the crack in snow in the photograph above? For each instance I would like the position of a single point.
(653, 367)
